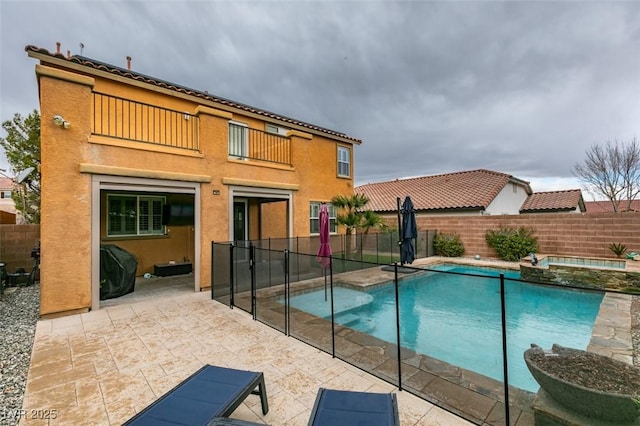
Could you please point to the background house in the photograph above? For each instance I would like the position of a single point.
(474, 192)
(606, 206)
(162, 170)
(569, 201)
(8, 213)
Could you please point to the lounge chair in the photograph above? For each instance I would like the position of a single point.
(208, 393)
(336, 407)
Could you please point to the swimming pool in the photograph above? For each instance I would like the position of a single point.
(457, 318)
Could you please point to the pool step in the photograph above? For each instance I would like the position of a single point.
(348, 319)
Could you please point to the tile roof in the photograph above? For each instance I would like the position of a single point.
(553, 201)
(6, 184)
(112, 69)
(606, 206)
(467, 190)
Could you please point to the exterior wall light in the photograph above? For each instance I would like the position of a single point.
(58, 120)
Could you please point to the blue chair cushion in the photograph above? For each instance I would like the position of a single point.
(335, 407)
(208, 393)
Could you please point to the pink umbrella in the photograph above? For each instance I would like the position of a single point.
(324, 252)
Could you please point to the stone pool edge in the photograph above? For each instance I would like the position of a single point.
(611, 335)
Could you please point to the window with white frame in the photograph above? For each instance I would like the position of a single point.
(272, 128)
(133, 215)
(344, 161)
(238, 138)
(5, 194)
(314, 218)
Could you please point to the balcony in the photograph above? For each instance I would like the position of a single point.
(252, 144)
(120, 118)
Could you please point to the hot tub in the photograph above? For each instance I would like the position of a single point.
(598, 273)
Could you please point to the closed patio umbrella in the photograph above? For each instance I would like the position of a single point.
(324, 251)
(409, 232)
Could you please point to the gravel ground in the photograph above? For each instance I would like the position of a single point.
(19, 312)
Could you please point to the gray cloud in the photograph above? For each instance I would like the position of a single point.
(430, 87)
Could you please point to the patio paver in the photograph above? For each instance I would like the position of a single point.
(102, 367)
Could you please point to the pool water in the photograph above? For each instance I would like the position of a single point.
(457, 318)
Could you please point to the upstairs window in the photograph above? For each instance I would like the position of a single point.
(5, 194)
(133, 215)
(314, 218)
(344, 161)
(272, 128)
(238, 138)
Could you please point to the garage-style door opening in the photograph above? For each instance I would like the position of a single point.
(150, 224)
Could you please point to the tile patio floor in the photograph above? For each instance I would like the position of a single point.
(101, 367)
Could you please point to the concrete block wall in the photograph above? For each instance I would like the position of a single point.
(16, 242)
(585, 235)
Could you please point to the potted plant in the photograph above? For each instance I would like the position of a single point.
(590, 384)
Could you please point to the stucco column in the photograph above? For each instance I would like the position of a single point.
(214, 206)
(65, 281)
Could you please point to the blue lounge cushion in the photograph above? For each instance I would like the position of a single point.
(208, 393)
(336, 407)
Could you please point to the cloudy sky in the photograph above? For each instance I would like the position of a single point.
(429, 86)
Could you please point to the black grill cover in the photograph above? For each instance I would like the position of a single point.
(117, 271)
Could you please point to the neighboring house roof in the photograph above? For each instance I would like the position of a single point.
(7, 205)
(606, 206)
(6, 184)
(554, 201)
(122, 72)
(468, 190)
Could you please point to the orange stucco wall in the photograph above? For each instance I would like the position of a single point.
(70, 157)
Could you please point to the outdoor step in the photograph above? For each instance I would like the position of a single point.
(347, 319)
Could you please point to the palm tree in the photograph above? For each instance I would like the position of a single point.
(369, 220)
(353, 217)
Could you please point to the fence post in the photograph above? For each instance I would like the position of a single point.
(504, 350)
(287, 295)
(395, 281)
(269, 257)
(333, 319)
(252, 272)
(231, 278)
(213, 282)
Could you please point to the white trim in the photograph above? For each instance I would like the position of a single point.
(245, 147)
(275, 129)
(255, 192)
(347, 150)
(245, 203)
(102, 182)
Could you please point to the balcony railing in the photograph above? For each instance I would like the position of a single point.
(253, 144)
(121, 118)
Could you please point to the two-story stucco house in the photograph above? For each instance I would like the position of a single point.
(162, 170)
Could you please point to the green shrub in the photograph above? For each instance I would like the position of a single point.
(448, 245)
(512, 244)
(618, 249)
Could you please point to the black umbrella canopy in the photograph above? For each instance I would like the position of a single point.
(409, 231)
